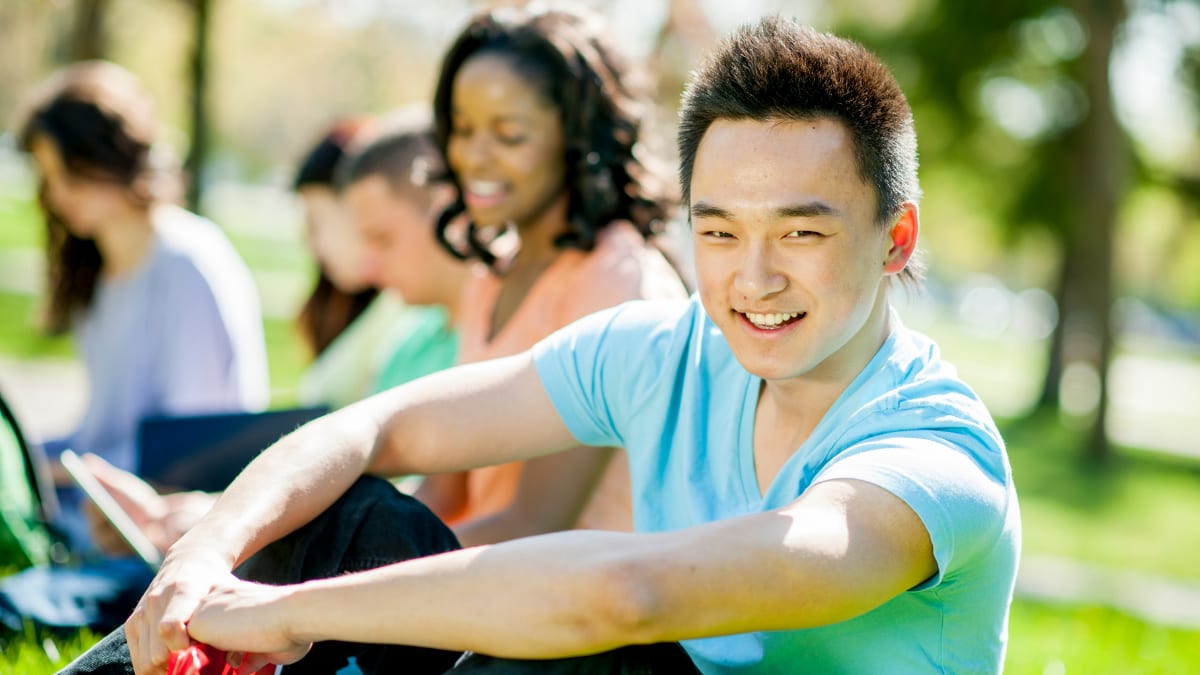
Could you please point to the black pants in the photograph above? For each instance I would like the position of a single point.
(373, 525)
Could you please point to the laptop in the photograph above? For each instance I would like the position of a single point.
(206, 452)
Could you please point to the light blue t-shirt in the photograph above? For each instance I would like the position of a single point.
(659, 379)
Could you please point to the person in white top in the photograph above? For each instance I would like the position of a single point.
(165, 312)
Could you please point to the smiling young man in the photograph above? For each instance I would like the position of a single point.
(815, 490)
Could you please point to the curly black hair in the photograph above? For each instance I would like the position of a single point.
(566, 54)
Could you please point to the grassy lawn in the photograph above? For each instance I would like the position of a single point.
(19, 340)
(1131, 514)
(1048, 639)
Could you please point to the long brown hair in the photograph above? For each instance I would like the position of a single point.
(328, 310)
(102, 123)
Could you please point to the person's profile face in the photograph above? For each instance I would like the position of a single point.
(83, 203)
(333, 238)
(401, 252)
(506, 144)
(789, 257)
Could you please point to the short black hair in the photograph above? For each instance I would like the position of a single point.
(401, 150)
(780, 69)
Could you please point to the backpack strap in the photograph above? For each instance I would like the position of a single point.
(37, 473)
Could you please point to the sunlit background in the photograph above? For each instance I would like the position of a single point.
(1061, 227)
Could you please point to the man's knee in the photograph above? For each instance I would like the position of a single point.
(372, 524)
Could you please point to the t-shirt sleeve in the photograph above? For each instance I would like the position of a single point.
(598, 370)
(962, 504)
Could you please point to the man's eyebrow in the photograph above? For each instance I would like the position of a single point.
(706, 210)
(806, 210)
(802, 210)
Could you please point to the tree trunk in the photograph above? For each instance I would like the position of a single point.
(1097, 181)
(194, 163)
(1054, 360)
(87, 33)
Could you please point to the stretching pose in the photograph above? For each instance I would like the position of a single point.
(814, 488)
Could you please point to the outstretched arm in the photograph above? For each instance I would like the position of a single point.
(470, 416)
(842, 549)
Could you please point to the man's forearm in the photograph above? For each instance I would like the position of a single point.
(487, 599)
(289, 484)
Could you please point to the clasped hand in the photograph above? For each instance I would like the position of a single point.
(194, 597)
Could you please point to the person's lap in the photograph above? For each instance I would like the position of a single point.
(372, 525)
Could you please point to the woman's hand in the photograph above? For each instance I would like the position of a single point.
(162, 518)
(248, 621)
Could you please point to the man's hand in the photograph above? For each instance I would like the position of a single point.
(158, 625)
(247, 620)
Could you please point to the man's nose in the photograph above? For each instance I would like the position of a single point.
(758, 276)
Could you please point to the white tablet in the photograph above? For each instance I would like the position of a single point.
(117, 516)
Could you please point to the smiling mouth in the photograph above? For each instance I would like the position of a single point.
(484, 190)
(773, 320)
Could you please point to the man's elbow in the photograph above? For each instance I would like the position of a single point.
(630, 605)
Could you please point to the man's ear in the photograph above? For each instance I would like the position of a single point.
(903, 238)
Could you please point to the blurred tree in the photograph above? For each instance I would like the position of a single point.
(198, 67)
(1022, 91)
(88, 39)
(1094, 181)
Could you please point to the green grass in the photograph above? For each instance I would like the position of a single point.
(22, 221)
(40, 653)
(1128, 514)
(19, 339)
(1046, 639)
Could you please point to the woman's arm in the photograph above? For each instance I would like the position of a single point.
(551, 494)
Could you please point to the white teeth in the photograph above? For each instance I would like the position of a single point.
(770, 320)
(485, 188)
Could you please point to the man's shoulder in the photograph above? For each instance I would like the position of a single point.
(636, 335)
(909, 387)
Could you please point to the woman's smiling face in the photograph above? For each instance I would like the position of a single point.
(506, 143)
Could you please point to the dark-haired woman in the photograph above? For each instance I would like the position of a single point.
(540, 121)
(165, 312)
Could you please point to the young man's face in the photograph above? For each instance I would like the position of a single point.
(789, 257)
(401, 252)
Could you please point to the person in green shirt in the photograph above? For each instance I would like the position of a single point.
(363, 334)
(394, 190)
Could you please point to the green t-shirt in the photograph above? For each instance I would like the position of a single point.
(429, 345)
